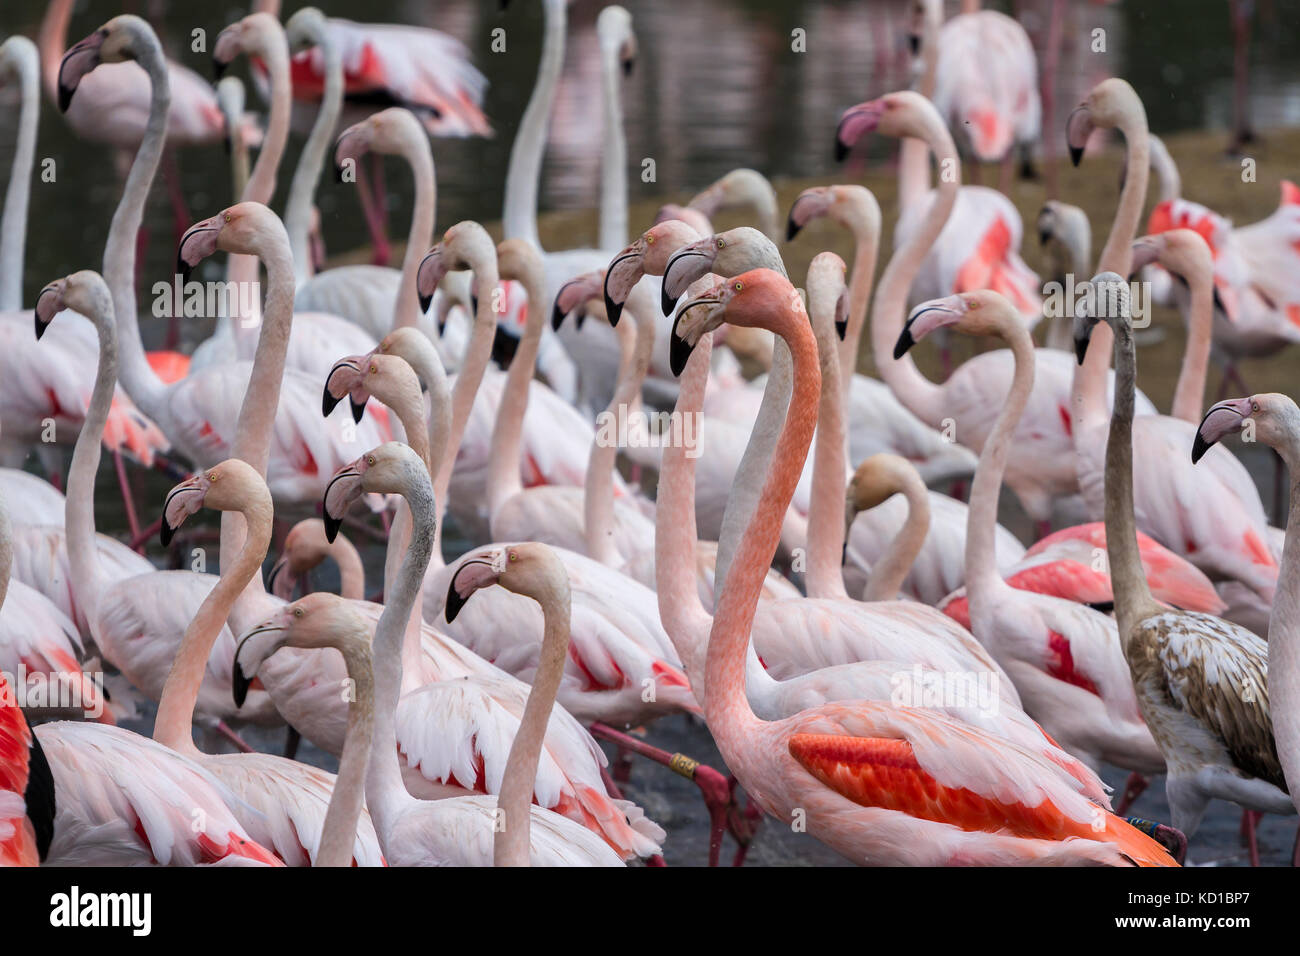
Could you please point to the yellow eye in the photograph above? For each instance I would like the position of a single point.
(227, 217)
(739, 286)
(374, 369)
(370, 459)
(650, 240)
(1254, 406)
(514, 555)
(212, 476)
(297, 612)
(721, 243)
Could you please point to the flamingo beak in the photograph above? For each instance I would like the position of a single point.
(48, 304)
(330, 400)
(77, 63)
(842, 314)
(432, 269)
(198, 242)
(624, 271)
(179, 504)
(810, 204)
(684, 267)
(344, 488)
(474, 574)
(679, 345)
(1077, 130)
(925, 319)
(240, 680)
(1221, 420)
(854, 123)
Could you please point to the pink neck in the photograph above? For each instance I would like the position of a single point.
(1189, 395)
(825, 577)
(477, 355)
(507, 436)
(406, 309)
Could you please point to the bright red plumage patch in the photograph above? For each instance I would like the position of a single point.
(1060, 663)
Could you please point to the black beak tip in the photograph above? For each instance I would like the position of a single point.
(844, 552)
(557, 317)
(1080, 349)
(425, 301)
(627, 67)
(791, 229)
(65, 97)
(165, 533)
(239, 685)
(841, 150)
(904, 343)
(914, 43)
(327, 402)
(40, 327)
(580, 319)
(841, 329)
(332, 526)
(358, 410)
(219, 68)
(1043, 236)
(454, 603)
(338, 172)
(1199, 447)
(666, 302)
(679, 353)
(613, 309)
(1076, 154)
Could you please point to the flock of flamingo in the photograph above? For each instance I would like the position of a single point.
(770, 559)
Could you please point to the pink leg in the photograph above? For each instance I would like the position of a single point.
(1249, 820)
(224, 729)
(133, 525)
(1133, 788)
(713, 785)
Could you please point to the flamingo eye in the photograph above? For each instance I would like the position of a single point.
(227, 217)
(370, 459)
(739, 286)
(650, 240)
(721, 243)
(1254, 406)
(212, 476)
(297, 612)
(374, 369)
(514, 555)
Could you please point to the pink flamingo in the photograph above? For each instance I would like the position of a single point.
(1041, 469)
(26, 788)
(47, 384)
(1200, 681)
(824, 766)
(1064, 656)
(196, 412)
(1212, 516)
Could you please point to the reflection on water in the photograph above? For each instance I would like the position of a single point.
(717, 85)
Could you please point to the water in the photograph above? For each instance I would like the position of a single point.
(716, 86)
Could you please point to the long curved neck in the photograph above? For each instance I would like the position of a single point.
(261, 183)
(256, 424)
(385, 792)
(636, 347)
(726, 706)
(865, 253)
(418, 155)
(519, 218)
(613, 162)
(507, 435)
(421, 355)
(1089, 391)
(144, 386)
(181, 691)
(477, 355)
(13, 223)
(1128, 578)
(919, 394)
(306, 177)
(339, 828)
(352, 573)
(510, 843)
(888, 573)
(86, 577)
(1284, 634)
(1189, 394)
(825, 578)
(982, 576)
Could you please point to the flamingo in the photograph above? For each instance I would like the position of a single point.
(26, 788)
(414, 832)
(904, 538)
(1041, 469)
(1065, 235)
(818, 766)
(46, 390)
(304, 548)
(474, 705)
(1200, 681)
(1276, 422)
(1211, 516)
(1063, 656)
(196, 412)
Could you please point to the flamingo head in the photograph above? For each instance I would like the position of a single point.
(390, 468)
(876, 480)
(925, 18)
(530, 569)
(898, 114)
(648, 255)
(740, 301)
(83, 292)
(240, 229)
(118, 40)
(231, 485)
(1107, 301)
(314, 621)
(614, 30)
(851, 206)
(346, 378)
(305, 29)
(575, 296)
(519, 260)
(740, 187)
(252, 35)
(1274, 418)
(1108, 106)
(388, 132)
(1067, 226)
(828, 299)
(1184, 252)
(983, 312)
(462, 247)
(726, 254)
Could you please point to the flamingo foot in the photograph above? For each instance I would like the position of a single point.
(291, 741)
(1171, 838)
(743, 824)
(1134, 787)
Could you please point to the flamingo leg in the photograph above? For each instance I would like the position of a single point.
(128, 503)
(225, 730)
(1006, 171)
(1171, 838)
(291, 741)
(1242, 133)
(374, 213)
(1249, 820)
(1134, 787)
(713, 786)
